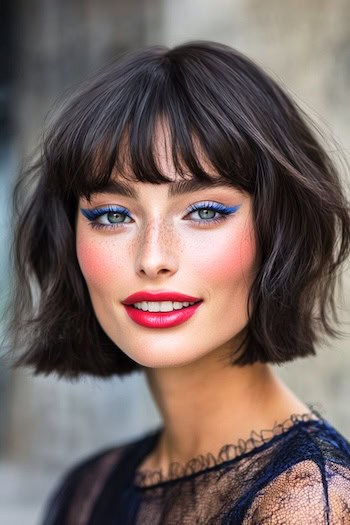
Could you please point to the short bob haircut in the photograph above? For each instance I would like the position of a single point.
(256, 139)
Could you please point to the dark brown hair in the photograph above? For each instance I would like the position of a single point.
(253, 135)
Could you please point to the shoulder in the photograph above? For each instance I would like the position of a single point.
(311, 483)
(305, 493)
(79, 487)
(83, 474)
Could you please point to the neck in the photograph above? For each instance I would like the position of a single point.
(208, 404)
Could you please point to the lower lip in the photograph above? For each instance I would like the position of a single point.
(161, 319)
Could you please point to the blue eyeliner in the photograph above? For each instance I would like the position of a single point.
(232, 209)
(214, 206)
(97, 212)
(93, 214)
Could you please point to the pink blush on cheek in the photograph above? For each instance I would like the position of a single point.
(247, 252)
(231, 261)
(96, 262)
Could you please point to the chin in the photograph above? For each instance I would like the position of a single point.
(157, 361)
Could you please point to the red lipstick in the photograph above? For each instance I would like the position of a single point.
(160, 319)
(138, 297)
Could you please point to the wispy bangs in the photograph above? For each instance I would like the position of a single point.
(113, 128)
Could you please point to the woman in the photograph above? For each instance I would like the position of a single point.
(186, 222)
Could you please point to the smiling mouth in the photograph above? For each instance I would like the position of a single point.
(162, 306)
(162, 314)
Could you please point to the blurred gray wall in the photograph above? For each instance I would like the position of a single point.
(48, 424)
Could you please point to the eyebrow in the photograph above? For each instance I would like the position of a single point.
(175, 188)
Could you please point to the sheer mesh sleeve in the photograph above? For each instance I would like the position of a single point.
(72, 500)
(303, 495)
(55, 509)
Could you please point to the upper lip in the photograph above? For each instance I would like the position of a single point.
(159, 296)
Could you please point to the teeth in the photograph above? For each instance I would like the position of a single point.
(163, 306)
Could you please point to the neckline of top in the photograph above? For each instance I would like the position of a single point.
(149, 478)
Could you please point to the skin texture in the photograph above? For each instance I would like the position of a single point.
(162, 250)
(204, 401)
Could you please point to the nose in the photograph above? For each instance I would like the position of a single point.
(157, 251)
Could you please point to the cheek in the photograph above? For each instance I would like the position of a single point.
(247, 254)
(96, 262)
(232, 263)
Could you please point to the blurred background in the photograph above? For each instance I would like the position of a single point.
(47, 47)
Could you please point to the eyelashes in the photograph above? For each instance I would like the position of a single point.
(109, 217)
(95, 213)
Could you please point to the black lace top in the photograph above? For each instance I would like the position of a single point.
(294, 474)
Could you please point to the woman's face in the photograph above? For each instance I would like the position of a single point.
(157, 244)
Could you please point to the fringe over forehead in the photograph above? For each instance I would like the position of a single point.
(212, 104)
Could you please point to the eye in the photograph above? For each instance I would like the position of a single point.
(108, 217)
(211, 212)
(112, 217)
